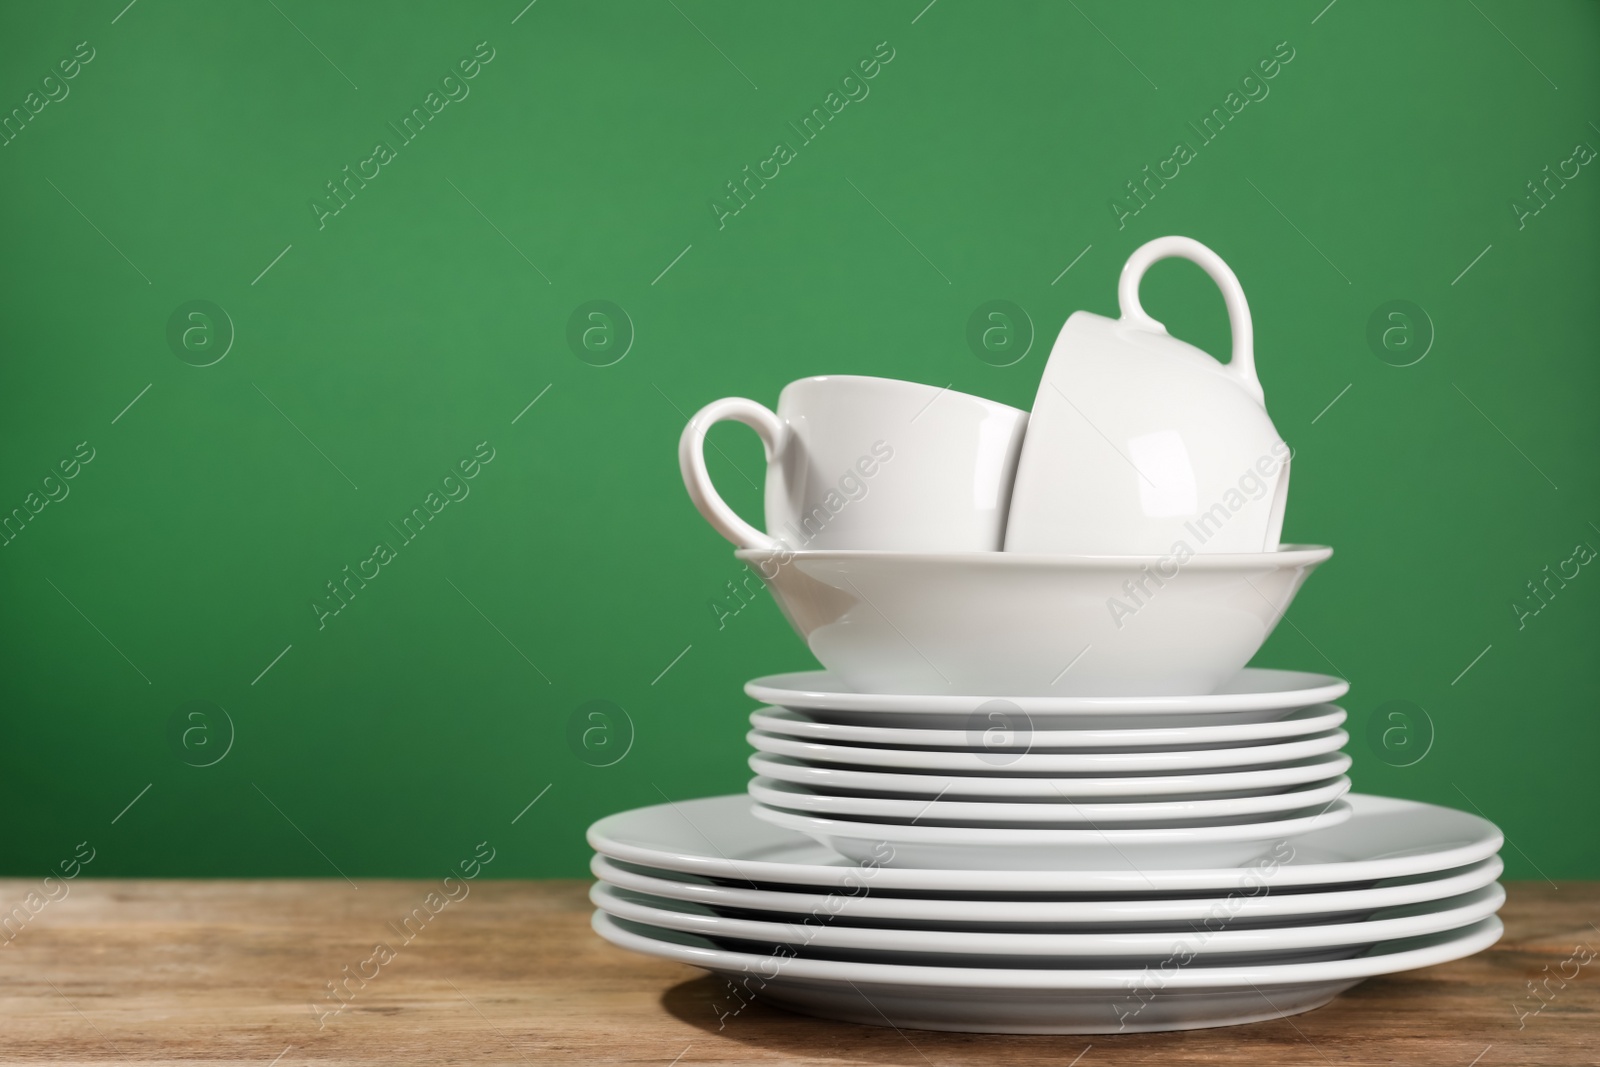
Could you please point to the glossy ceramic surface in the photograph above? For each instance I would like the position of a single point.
(868, 463)
(1039, 1001)
(1021, 761)
(1254, 694)
(1201, 785)
(891, 945)
(1241, 905)
(1141, 443)
(719, 837)
(1000, 728)
(1136, 848)
(944, 811)
(1013, 625)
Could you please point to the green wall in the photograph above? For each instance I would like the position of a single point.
(165, 602)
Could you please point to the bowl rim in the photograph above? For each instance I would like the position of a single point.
(1292, 555)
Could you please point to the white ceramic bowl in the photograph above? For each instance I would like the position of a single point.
(1022, 625)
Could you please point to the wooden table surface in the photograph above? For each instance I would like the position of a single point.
(236, 972)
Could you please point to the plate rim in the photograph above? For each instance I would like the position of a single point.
(1473, 938)
(1342, 760)
(838, 698)
(1288, 554)
(1334, 872)
(1225, 942)
(944, 909)
(1005, 810)
(1281, 751)
(1337, 812)
(1134, 737)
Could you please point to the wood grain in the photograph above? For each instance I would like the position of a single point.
(234, 973)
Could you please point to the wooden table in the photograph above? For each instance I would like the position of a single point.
(236, 973)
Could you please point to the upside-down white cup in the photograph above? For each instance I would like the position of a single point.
(868, 463)
(1138, 441)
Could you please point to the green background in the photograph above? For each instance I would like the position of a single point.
(379, 350)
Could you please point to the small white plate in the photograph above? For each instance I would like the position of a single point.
(1256, 903)
(817, 933)
(719, 837)
(1012, 763)
(969, 848)
(1198, 786)
(1039, 1001)
(1255, 694)
(944, 812)
(994, 730)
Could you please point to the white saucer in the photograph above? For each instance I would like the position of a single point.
(1254, 695)
(718, 837)
(819, 934)
(1138, 849)
(1198, 786)
(1013, 763)
(1025, 1000)
(1017, 733)
(1239, 907)
(947, 812)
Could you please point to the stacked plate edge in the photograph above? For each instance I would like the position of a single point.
(1397, 885)
(1061, 782)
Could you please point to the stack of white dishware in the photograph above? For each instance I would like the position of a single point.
(1036, 788)
(1396, 886)
(1040, 782)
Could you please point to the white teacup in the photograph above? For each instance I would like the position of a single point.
(1139, 442)
(868, 463)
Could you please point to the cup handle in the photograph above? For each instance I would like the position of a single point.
(1242, 367)
(692, 462)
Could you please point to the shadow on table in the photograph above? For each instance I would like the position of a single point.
(706, 1004)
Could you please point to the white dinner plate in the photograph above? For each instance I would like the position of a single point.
(718, 837)
(1198, 786)
(1099, 763)
(996, 729)
(943, 811)
(987, 848)
(1255, 694)
(1041, 1001)
(1243, 905)
(819, 934)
